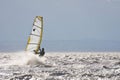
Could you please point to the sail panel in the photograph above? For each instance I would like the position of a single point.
(37, 23)
(36, 30)
(34, 39)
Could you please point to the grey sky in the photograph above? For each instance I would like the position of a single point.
(63, 19)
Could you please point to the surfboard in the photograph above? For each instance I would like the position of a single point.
(35, 37)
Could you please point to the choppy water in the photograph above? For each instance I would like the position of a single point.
(60, 66)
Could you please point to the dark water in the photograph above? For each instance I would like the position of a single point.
(65, 46)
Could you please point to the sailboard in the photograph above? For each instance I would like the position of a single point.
(35, 37)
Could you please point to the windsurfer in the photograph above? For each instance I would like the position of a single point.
(40, 52)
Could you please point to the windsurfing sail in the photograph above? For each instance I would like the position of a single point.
(35, 37)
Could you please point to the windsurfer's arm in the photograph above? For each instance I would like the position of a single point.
(35, 51)
(40, 49)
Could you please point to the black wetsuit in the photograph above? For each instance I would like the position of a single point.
(41, 52)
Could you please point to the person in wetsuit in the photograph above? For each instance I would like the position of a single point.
(41, 52)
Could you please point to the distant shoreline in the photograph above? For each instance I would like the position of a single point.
(66, 46)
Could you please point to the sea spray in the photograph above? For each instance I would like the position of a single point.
(33, 59)
(25, 58)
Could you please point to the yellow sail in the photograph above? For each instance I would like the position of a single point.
(35, 37)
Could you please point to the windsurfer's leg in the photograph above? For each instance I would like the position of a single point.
(42, 52)
(35, 52)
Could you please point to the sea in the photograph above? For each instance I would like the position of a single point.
(65, 46)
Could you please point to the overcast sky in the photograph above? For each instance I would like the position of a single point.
(63, 19)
